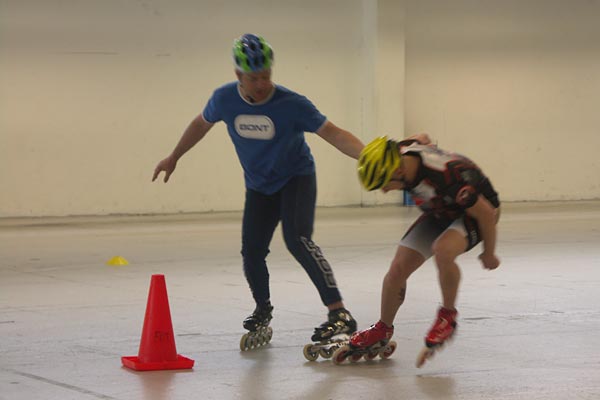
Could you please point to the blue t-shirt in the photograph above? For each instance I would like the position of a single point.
(268, 136)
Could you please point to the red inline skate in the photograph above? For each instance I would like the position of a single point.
(369, 343)
(441, 331)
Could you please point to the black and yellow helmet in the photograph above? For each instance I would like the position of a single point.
(377, 162)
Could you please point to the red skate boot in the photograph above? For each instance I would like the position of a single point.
(442, 330)
(368, 343)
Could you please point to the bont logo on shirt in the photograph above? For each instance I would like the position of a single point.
(254, 127)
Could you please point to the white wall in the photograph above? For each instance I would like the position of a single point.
(94, 93)
(515, 85)
(383, 90)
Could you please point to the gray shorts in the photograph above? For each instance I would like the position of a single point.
(427, 228)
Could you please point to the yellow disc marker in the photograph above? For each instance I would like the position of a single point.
(117, 260)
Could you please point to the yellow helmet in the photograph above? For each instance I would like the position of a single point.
(377, 162)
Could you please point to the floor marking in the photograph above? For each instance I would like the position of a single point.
(63, 385)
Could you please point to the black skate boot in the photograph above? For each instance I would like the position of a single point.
(257, 323)
(330, 334)
(338, 322)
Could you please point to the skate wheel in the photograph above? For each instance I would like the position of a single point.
(388, 350)
(266, 340)
(370, 355)
(340, 355)
(254, 342)
(261, 340)
(355, 357)
(244, 342)
(327, 352)
(309, 353)
(265, 336)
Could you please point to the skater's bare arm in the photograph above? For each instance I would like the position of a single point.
(341, 139)
(485, 214)
(195, 131)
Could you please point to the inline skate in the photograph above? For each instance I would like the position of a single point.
(441, 331)
(257, 323)
(330, 335)
(369, 344)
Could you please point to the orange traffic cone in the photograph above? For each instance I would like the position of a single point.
(157, 346)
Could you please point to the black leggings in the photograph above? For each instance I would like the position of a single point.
(294, 205)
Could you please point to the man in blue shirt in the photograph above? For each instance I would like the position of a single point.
(266, 123)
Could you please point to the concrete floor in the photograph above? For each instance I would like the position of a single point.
(527, 330)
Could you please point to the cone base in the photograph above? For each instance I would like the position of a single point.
(134, 362)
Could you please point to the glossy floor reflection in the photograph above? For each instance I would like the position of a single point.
(526, 331)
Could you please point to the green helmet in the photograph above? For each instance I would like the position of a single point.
(252, 53)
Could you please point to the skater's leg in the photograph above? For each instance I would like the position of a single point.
(405, 262)
(448, 246)
(261, 215)
(446, 249)
(414, 249)
(335, 306)
(297, 218)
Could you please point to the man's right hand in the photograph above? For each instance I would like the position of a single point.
(168, 165)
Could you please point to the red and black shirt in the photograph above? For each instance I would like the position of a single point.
(446, 183)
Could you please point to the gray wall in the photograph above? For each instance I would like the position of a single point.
(94, 93)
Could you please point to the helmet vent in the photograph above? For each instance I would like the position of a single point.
(252, 53)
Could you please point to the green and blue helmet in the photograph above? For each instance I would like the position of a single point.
(252, 53)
